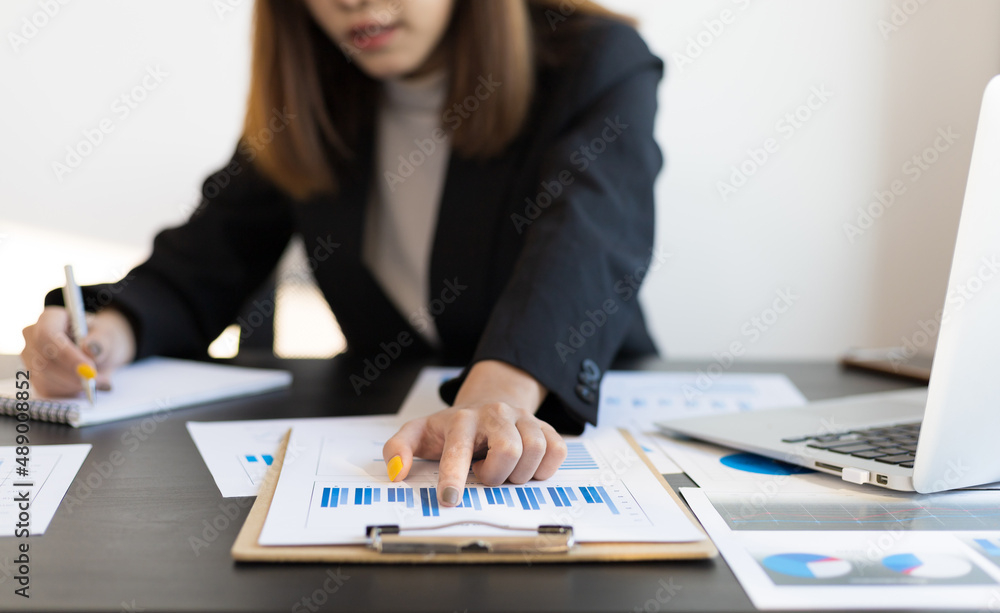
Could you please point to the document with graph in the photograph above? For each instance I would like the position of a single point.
(333, 484)
(34, 487)
(850, 550)
(238, 453)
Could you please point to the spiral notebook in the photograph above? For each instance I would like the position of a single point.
(150, 386)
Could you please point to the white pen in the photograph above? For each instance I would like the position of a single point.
(73, 299)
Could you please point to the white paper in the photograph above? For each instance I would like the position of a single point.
(159, 384)
(50, 471)
(858, 551)
(636, 400)
(238, 453)
(333, 484)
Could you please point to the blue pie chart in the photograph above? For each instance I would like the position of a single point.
(753, 463)
(927, 566)
(807, 565)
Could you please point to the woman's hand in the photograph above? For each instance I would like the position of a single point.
(53, 358)
(493, 416)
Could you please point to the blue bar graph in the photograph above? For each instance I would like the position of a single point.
(522, 498)
(470, 499)
(607, 500)
(530, 495)
(428, 502)
(527, 498)
(267, 459)
(333, 495)
(578, 457)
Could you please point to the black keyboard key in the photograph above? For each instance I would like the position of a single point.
(896, 459)
(868, 455)
(891, 450)
(906, 464)
(852, 449)
(830, 444)
(910, 448)
(829, 438)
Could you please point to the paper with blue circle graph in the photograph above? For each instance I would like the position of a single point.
(928, 566)
(807, 565)
(753, 463)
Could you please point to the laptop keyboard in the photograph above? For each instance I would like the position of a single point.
(888, 444)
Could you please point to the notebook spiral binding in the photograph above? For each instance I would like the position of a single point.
(42, 410)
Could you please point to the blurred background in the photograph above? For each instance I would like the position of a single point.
(816, 154)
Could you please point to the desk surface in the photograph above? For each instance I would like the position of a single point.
(127, 544)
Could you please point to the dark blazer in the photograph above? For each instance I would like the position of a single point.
(537, 252)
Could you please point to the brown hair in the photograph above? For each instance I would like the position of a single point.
(324, 104)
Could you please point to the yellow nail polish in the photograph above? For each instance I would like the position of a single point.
(86, 371)
(395, 465)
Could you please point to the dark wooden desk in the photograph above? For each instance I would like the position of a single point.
(125, 543)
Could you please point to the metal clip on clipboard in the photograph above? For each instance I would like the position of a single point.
(544, 539)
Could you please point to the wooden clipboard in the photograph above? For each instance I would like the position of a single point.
(246, 549)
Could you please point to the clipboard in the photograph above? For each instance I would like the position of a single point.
(551, 544)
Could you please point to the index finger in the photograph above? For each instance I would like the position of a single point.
(456, 457)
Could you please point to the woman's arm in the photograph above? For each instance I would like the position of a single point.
(199, 274)
(183, 296)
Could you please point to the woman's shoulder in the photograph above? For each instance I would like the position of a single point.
(568, 38)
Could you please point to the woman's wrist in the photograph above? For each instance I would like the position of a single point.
(495, 381)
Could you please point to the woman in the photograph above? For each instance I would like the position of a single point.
(494, 159)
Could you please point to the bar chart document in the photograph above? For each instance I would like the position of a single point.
(238, 453)
(333, 484)
(43, 481)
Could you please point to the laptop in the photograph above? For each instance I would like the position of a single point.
(944, 437)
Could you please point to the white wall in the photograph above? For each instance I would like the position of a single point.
(889, 94)
(891, 91)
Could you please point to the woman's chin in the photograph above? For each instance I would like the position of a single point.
(387, 67)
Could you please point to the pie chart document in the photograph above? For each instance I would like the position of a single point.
(843, 550)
